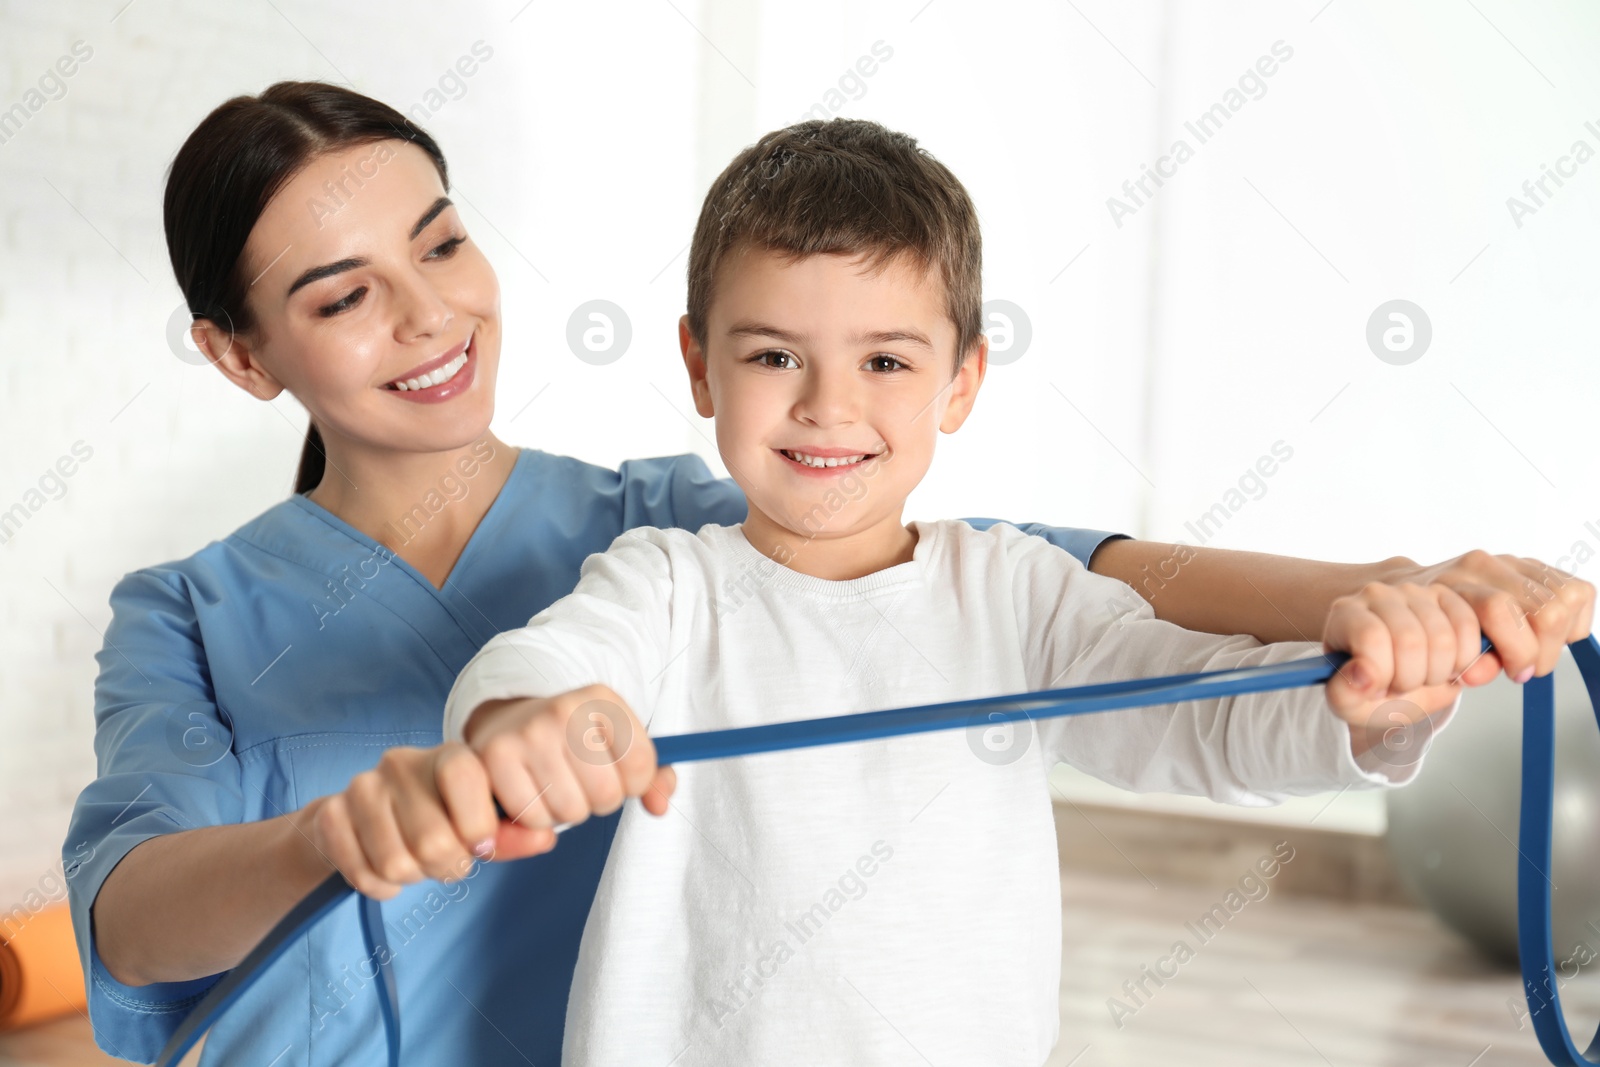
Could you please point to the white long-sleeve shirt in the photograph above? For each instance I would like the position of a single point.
(886, 901)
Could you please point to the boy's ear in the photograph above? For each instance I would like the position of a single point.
(233, 355)
(964, 387)
(694, 360)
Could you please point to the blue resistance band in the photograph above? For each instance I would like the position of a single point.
(1533, 882)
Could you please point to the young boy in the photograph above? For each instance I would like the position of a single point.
(890, 901)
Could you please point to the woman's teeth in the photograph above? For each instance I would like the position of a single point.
(818, 461)
(437, 377)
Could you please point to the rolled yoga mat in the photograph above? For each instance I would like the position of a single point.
(40, 976)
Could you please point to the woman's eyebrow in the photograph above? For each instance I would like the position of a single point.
(328, 270)
(429, 215)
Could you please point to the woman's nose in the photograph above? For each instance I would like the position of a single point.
(420, 310)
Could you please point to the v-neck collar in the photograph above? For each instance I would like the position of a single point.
(468, 551)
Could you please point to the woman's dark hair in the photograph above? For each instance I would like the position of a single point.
(233, 164)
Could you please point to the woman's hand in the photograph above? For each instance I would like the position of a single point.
(420, 813)
(1529, 610)
(557, 760)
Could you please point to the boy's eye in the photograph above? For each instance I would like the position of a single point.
(447, 248)
(344, 304)
(877, 363)
(774, 354)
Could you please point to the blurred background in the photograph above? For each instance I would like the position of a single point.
(1369, 256)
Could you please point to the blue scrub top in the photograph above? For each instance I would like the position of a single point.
(269, 668)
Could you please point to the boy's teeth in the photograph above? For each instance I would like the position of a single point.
(437, 377)
(818, 461)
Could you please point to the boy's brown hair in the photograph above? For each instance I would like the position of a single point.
(844, 186)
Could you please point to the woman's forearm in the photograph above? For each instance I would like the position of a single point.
(1223, 591)
(189, 904)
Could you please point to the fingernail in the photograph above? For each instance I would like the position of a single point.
(1527, 672)
(483, 848)
(1359, 679)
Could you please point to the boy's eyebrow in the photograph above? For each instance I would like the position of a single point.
(761, 329)
(891, 337)
(328, 270)
(873, 337)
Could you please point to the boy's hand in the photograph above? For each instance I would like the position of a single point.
(1412, 649)
(420, 813)
(558, 760)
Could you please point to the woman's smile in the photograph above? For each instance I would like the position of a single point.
(441, 378)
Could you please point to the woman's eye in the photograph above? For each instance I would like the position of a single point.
(344, 304)
(447, 249)
(876, 363)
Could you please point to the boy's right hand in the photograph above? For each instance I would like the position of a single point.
(554, 761)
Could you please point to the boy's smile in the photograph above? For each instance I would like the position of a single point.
(830, 377)
(825, 462)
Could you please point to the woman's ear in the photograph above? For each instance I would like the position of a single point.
(232, 354)
(964, 387)
(694, 360)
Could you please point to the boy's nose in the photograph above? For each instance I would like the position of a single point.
(829, 400)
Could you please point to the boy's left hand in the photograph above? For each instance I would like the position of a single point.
(1413, 648)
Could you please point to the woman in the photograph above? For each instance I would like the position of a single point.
(247, 693)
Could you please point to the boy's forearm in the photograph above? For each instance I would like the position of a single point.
(1224, 591)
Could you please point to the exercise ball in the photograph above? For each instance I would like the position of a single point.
(1453, 830)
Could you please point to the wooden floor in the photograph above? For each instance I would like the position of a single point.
(65, 1041)
(1289, 981)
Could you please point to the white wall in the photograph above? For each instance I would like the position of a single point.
(1165, 359)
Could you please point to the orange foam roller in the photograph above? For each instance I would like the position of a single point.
(40, 977)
